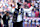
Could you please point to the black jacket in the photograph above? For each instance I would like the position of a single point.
(4, 18)
(15, 14)
(0, 19)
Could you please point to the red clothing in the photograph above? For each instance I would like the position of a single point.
(29, 5)
(36, 14)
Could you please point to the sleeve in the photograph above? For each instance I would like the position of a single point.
(27, 10)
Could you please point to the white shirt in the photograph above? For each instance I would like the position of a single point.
(19, 18)
(13, 9)
(28, 10)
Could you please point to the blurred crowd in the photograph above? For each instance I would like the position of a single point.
(35, 11)
(31, 7)
(9, 5)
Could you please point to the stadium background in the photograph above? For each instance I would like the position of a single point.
(9, 5)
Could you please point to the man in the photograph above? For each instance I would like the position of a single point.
(28, 10)
(18, 17)
(6, 19)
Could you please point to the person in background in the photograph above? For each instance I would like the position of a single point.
(6, 19)
(33, 14)
(37, 13)
(5, 8)
(34, 10)
(28, 1)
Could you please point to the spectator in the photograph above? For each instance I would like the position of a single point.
(33, 1)
(34, 10)
(37, 13)
(29, 5)
(5, 8)
(28, 1)
(5, 19)
(33, 14)
(36, 4)
(1, 8)
(10, 8)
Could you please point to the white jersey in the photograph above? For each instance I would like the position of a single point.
(19, 18)
(13, 10)
(28, 10)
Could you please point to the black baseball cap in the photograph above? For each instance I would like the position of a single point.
(18, 4)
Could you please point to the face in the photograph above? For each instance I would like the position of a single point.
(7, 14)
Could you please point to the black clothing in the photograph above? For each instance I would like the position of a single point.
(15, 15)
(18, 24)
(5, 20)
(0, 21)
